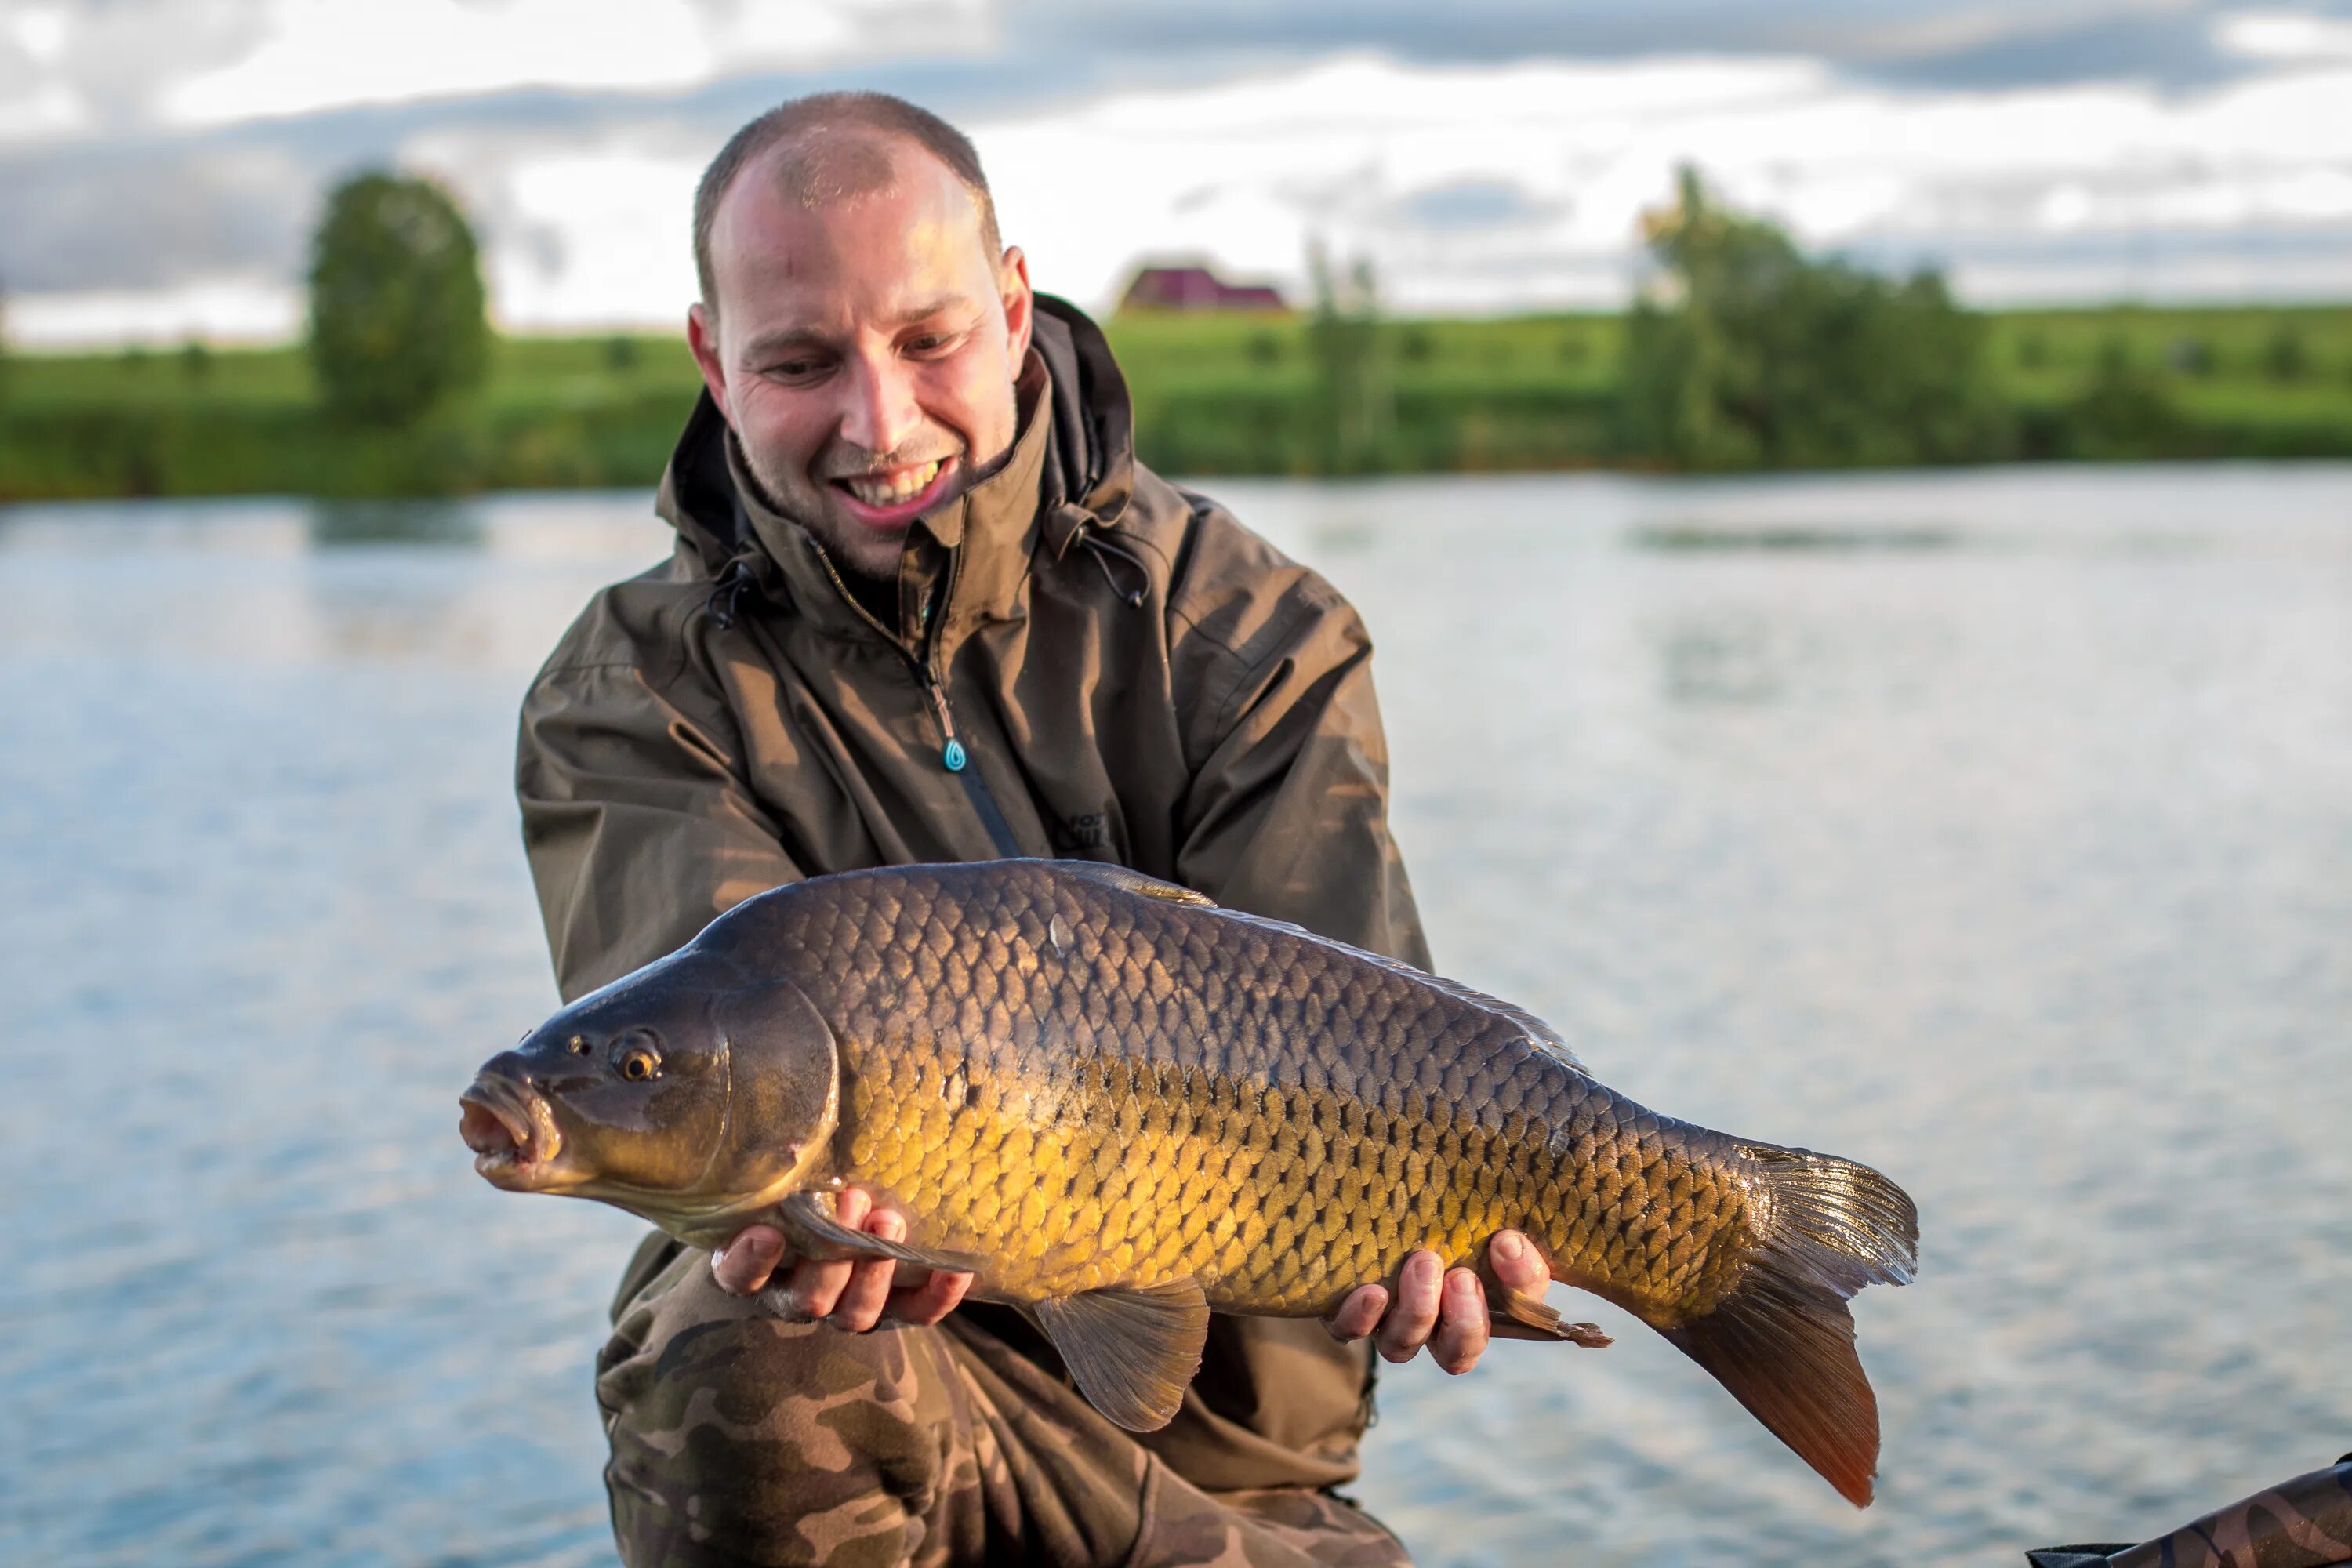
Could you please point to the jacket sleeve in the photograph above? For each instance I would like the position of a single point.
(1286, 814)
(638, 824)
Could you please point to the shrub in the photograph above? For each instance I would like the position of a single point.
(1758, 356)
(397, 304)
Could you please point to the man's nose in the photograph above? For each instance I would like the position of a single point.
(881, 413)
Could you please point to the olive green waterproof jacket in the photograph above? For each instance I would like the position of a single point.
(1087, 662)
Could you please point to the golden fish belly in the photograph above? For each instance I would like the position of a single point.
(1277, 1198)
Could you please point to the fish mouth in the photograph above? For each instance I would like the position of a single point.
(511, 1130)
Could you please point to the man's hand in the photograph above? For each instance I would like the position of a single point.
(1446, 1311)
(852, 1296)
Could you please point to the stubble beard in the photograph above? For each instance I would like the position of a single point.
(854, 549)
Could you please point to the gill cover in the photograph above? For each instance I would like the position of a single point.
(784, 1091)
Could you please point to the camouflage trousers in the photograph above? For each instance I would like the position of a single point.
(738, 1437)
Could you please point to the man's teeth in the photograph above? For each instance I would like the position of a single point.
(905, 487)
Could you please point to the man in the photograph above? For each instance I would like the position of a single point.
(925, 606)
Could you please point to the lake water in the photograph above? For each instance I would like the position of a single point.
(1994, 828)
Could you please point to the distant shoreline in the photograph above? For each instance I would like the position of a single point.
(1215, 396)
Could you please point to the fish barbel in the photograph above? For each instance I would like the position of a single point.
(1121, 1107)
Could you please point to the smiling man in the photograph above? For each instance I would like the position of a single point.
(925, 605)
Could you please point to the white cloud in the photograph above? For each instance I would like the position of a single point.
(2283, 35)
(237, 310)
(577, 235)
(1243, 171)
(325, 54)
(2026, 193)
(49, 111)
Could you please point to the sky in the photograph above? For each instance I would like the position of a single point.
(162, 161)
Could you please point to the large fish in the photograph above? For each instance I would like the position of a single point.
(1122, 1106)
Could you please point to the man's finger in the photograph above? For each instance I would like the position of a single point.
(1359, 1314)
(934, 1299)
(1461, 1336)
(867, 1291)
(1406, 1329)
(743, 1265)
(816, 1287)
(1517, 1264)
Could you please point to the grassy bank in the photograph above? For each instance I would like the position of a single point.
(1232, 395)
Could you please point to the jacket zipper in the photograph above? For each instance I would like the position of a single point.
(953, 756)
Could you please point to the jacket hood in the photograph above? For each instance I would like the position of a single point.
(1089, 466)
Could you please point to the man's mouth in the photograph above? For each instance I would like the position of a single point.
(896, 495)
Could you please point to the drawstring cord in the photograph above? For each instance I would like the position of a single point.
(727, 594)
(726, 599)
(1104, 549)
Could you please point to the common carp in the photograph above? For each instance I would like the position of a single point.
(1121, 1107)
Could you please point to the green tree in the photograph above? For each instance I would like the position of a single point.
(2283, 356)
(1754, 355)
(397, 304)
(1355, 402)
(2122, 411)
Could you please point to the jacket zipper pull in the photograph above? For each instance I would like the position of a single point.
(951, 755)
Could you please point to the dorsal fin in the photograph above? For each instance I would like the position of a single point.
(1132, 881)
(1130, 1349)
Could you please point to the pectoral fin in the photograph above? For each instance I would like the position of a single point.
(807, 1222)
(1131, 1350)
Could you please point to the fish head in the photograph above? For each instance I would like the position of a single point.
(687, 1092)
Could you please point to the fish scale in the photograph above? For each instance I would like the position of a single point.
(1419, 1062)
(1121, 1107)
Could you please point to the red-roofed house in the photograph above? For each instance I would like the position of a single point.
(1195, 289)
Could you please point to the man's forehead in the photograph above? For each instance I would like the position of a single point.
(824, 164)
(887, 247)
(845, 189)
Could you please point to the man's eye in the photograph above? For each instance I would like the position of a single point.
(794, 369)
(930, 344)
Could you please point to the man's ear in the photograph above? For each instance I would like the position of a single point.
(702, 337)
(1020, 304)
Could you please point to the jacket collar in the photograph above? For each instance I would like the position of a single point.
(1072, 470)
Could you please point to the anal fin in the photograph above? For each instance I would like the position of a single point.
(1523, 1315)
(1132, 1350)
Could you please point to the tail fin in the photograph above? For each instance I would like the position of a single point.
(1783, 1342)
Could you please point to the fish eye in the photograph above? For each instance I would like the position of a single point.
(635, 1060)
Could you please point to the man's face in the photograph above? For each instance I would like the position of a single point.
(864, 351)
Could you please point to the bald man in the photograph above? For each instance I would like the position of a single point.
(925, 605)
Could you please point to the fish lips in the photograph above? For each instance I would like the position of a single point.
(511, 1130)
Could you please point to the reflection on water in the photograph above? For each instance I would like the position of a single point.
(2019, 864)
(1717, 659)
(1835, 537)
(452, 524)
